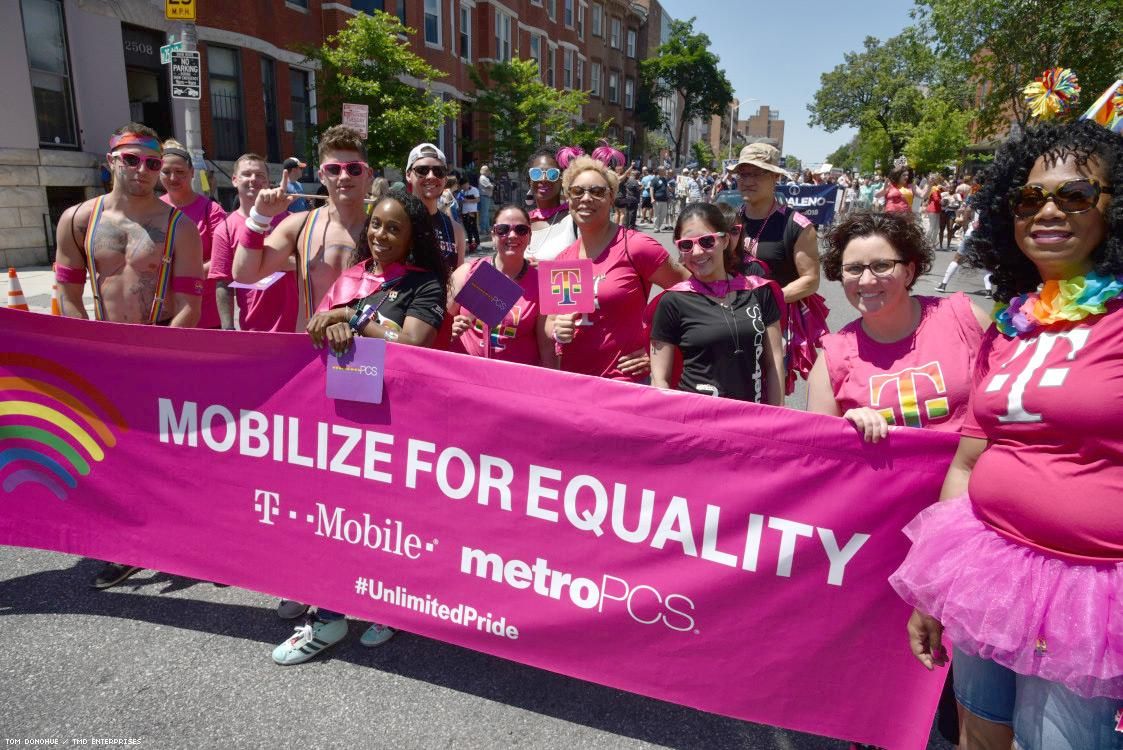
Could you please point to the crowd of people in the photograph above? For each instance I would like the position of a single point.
(1020, 562)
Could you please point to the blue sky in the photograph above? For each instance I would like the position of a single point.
(775, 52)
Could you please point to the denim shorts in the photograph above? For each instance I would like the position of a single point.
(1044, 715)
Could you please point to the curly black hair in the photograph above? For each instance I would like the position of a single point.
(992, 245)
(899, 229)
(425, 250)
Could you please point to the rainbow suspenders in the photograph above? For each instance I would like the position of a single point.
(309, 225)
(165, 264)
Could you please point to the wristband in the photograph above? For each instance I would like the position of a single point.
(260, 219)
(250, 239)
(68, 275)
(360, 319)
(390, 335)
(254, 226)
(187, 285)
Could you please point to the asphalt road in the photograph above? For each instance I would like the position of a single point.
(172, 662)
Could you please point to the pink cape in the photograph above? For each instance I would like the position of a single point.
(356, 283)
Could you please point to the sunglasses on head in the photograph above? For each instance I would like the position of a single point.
(705, 241)
(133, 161)
(1072, 197)
(502, 230)
(577, 192)
(335, 168)
(537, 174)
(437, 170)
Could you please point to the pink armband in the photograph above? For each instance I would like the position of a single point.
(250, 239)
(68, 275)
(187, 285)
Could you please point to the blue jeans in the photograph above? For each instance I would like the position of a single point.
(1044, 715)
(485, 214)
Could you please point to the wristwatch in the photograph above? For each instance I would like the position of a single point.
(360, 319)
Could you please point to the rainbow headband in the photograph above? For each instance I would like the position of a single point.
(134, 139)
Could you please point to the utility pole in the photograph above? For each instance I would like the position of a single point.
(192, 137)
(186, 80)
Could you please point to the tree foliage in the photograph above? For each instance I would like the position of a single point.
(703, 154)
(939, 138)
(362, 64)
(881, 87)
(1001, 45)
(684, 66)
(522, 113)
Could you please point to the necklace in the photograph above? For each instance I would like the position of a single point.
(522, 271)
(725, 305)
(756, 239)
(1057, 301)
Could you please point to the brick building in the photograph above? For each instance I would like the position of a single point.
(764, 125)
(74, 70)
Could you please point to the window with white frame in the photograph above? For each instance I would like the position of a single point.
(466, 33)
(598, 19)
(631, 42)
(594, 78)
(581, 22)
(48, 61)
(614, 87)
(550, 53)
(579, 80)
(503, 23)
(552, 9)
(567, 68)
(569, 13)
(629, 93)
(614, 33)
(536, 54)
(433, 22)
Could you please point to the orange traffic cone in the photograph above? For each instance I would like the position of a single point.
(56, 302)
(16, 300)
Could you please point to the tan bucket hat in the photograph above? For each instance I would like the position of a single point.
(764, 156)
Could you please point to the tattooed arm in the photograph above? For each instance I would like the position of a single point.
(187, 264)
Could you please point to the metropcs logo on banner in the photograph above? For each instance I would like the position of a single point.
(721, 555)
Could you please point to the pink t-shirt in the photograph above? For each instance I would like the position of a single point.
(923, 380)
(1051, 406)
(273, 309)
(897, 199)
(513, 340)
(208, 217)
(620, 288)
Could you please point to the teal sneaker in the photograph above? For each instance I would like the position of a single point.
(310, 639)
(376, 635)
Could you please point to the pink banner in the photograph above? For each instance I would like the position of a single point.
(721, 555)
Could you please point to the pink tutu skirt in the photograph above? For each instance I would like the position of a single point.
(1035, 614)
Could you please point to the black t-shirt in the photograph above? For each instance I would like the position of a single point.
(777, 243)
(709, 335)
(659, 189)
(446, 236)
(418, 294)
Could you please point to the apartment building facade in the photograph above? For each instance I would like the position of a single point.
(74, 70)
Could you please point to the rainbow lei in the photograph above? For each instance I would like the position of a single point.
(1057, 301)
(1053, 92)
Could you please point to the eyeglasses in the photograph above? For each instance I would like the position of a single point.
(502, 230)
(335, 168)
(133, 161)
(705, 241)
(436, 169)
(879, 268)
(577, 192)
(1072, 197)
(537, 174)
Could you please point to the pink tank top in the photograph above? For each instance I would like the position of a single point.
(513, 340)
(923, 380)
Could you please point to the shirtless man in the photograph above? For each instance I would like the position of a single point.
(126, 233)
(323, 240)
(426, 171)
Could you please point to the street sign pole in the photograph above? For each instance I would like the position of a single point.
(192, 137)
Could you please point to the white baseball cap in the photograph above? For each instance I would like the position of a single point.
(425, 151)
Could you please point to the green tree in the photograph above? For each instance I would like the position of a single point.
(683, 66)
(363, 64)
(874, 152)
(880, 87)
(702, 154)
(939, 137)
(846, 155)
(522, 113)
(792, 164)
(1002, 45)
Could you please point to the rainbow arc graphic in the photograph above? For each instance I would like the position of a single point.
(54, 424)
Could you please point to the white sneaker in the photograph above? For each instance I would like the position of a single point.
(310, 639)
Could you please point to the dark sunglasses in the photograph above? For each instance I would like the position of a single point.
(133, 161)
(537, 174)
(705, 241)
(576, 192)
(1072, 197)
(436, 170)
(502, 230)
(334, 168)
